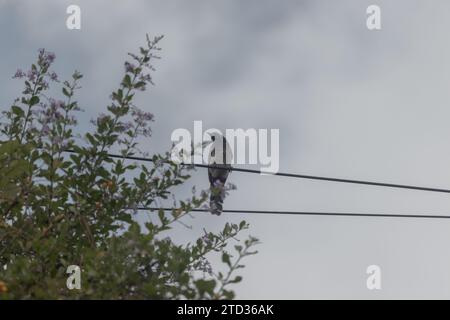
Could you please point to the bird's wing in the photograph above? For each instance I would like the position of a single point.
(218, 172)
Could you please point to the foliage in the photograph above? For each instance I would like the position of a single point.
(64, 201)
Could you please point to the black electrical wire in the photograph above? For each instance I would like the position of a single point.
(299, 176)
(311, 213)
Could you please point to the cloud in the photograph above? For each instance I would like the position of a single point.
(348, 102)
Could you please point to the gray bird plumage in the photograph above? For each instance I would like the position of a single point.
(220, 160)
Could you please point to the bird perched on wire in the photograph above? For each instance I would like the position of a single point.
(220, 158)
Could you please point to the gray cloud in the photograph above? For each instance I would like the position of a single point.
(348, 103)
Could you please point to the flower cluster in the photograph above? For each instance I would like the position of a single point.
(46, 117)
(36, 74)
(48, 114)
(46, 58)
(142, 120)
(125, 126)
(204, 265)
(129, 67)
(76, 207)
(19, 74)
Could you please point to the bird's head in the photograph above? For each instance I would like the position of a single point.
(212, 137)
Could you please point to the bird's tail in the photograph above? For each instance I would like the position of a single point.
(216, 199)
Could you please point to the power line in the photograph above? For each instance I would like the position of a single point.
(298, 176)
(308, 213)
(310, 177)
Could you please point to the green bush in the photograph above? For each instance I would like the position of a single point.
(60, 208)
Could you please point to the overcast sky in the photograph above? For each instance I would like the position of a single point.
(349, 103)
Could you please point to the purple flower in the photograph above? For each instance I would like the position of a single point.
(53, 76)
(204, 265)
(125, 126)
(31, 75)
(205, 238)
(129, 67)
(101, 118)
(46, 58)
(45, 130)
(128, 125)
(44, 84)
(146, 78)
(58, 115)
(56, 104)
(142, 117)
(51, 57)
(19, 74)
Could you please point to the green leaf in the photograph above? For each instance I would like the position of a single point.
(66, 93)
(140, 84)
(34, 100)
(127, 81)
(205, 286)
(226, 258)
(18, 111)
(236, 280)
